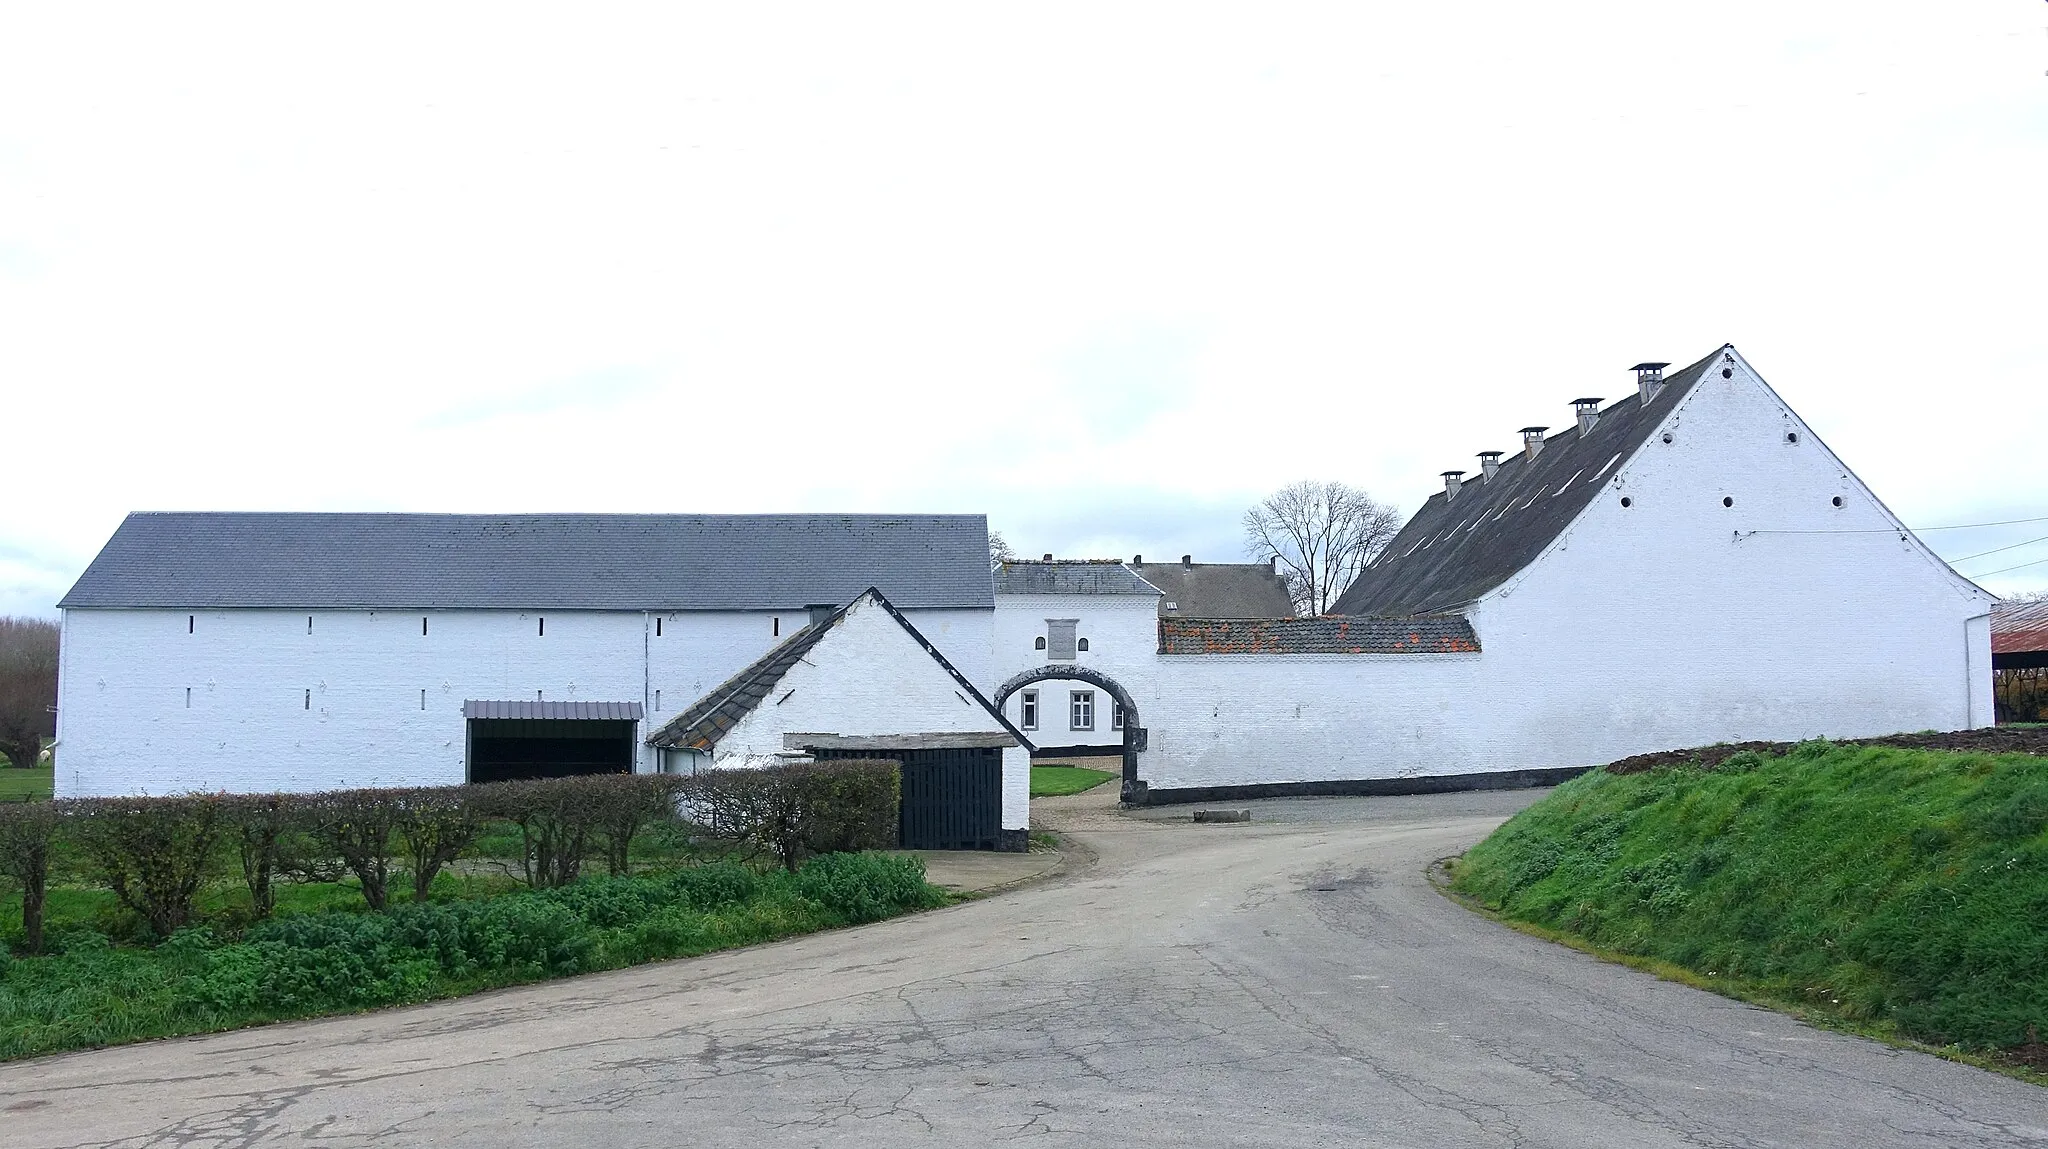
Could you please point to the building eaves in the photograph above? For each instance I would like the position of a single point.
(2019, 627)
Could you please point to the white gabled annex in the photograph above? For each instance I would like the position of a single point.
(861, 682)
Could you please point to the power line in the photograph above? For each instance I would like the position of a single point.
(2002, 570)
(1995, 550)
(1896, 530)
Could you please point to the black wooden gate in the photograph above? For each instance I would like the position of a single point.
(951, 800)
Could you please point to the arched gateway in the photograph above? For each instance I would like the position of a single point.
(1134, 732)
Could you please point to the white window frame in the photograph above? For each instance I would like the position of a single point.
(1081, 710)
(1027, 710)
(1116, 714)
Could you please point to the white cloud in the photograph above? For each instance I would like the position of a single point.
(1106, 272)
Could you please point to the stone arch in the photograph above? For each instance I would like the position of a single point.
(1134, 733)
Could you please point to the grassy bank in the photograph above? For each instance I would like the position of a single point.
(1054, 781)
(317, 958)
(1900, 891)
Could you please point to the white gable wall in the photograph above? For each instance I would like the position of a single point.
(868, 677)
(1656, 626)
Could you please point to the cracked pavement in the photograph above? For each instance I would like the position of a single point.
(1290, 982)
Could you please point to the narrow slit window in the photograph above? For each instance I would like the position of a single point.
(775, 627)
(309, 699)
(189, 622)
(543, 631)
(657, 702)
(423, 699)
(309, 624)
(657, 628)
(423, 624)
(188, 698)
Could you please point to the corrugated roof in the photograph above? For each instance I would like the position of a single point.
(554, 711)
(553, 561)
(1069, 576)
(1455, 550)
(2019, 627)
(1218, 590)
(1330, 634)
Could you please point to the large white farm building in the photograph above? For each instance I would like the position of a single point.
(1686, 565)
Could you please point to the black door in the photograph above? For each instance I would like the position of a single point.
(951, 799)
(502, 749)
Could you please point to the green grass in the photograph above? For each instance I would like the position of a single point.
(1894, 891)
(318, 957)
(1053, 781)
(16, 784)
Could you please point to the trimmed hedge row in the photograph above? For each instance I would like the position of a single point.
(157, 854)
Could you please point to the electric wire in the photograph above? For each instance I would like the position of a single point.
(1995, 550)
(2002, 570)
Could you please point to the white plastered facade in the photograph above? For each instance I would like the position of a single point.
(1675, 621)
(1122, 632)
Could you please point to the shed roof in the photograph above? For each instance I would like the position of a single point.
(1069, 576)
(2019, 627)
(553, 711)
(558, 561)
(705, 721)
(1217, 590)
(1455, 550)
(1330, 634)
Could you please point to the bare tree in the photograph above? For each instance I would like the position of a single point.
(28, 687)
(999, 551)
(1322, 534)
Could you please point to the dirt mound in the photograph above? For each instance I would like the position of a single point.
(1990, 740)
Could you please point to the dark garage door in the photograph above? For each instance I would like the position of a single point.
(502, 749)
(952, 799)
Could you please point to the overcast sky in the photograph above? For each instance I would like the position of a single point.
(1107, 272)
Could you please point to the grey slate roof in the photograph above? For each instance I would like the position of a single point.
(557, 561)
(1069, 576)
(1455, 550)
(705, 721)
(554, 711)
(1330, 634)
(1218, 590)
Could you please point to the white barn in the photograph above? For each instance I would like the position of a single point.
(314, 651)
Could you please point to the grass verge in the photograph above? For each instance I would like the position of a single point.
(95, 993)
(1901, 894)
(34, 783)
(1055, 781)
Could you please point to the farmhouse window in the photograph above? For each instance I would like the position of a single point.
(1116, 715)
(1027, 710)
(1060, 634)
(1082, 644)
(1082, 703)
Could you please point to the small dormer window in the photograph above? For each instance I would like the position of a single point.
(1172, 605)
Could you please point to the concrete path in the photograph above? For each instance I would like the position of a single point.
(1293, 982)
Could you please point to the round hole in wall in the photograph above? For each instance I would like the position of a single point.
(1791, 436)
(1667, 436)
(1727, 373)
(1627, 502)
(1837, 500)
(1727, 501)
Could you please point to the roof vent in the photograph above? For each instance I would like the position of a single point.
(1489, 464)
(820, 611)
(1452, 481)
(1649, 380)
(1532, 441)
(1137, 560)
(1588, 411)
(1048, 556)
(1187, 562)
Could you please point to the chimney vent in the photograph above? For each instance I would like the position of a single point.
(1588, 411)
(1137, 560)
(1649, 380)
(1452, 481)
(1532, 441)
(1187, 562)
(1489, 464)
(1048, 556)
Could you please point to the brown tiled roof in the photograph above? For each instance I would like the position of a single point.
(1330, 634)
(2019, 627)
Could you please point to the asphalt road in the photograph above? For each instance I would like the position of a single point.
(1294, 982)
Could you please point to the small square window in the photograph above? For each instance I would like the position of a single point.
(1027, 710)
(1081, 704)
